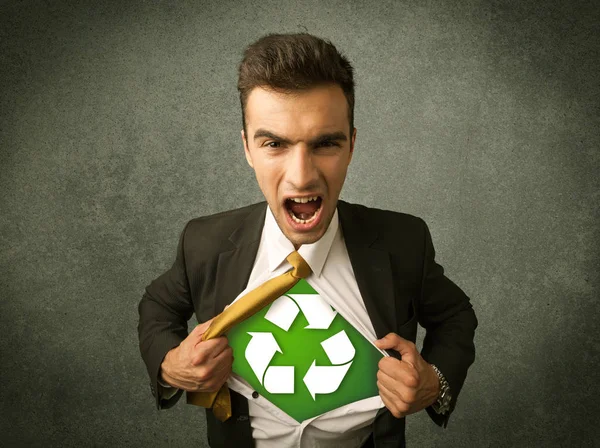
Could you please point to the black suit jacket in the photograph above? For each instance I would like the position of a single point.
(392, 256)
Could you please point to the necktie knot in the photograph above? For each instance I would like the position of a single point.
(301, 267)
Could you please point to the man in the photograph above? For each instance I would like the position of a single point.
(297, 97)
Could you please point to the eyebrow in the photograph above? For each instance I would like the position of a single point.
(328, 136)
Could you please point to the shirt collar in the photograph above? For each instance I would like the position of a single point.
(279, 247)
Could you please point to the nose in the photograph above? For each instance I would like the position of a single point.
(302, 172)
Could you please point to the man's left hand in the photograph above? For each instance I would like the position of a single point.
(405, 386)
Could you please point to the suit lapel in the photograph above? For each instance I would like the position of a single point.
(235, 265)
(371, 267)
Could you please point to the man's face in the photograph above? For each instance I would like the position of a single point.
(299, 148)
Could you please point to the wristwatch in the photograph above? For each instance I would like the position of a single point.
(442, 404)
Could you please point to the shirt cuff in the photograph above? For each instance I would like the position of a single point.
(167, 391)
(165, 385)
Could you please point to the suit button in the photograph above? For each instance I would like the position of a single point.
(254, 394)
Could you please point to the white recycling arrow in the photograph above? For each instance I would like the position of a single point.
(282, 312)
(280, 379)
(324, 379)
(317, 311)
(338, 348)
(260, 351)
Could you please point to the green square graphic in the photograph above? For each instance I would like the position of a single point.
(301, 349)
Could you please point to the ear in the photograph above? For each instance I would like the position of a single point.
(247, 151)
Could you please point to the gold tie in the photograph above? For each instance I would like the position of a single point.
(238, 311)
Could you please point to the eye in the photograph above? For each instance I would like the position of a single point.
(268, 144)
(327, 144)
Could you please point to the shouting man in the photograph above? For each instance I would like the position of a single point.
(376, 268)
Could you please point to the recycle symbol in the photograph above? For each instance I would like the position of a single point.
(318, 379)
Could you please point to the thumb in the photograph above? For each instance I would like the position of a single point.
(394, 342)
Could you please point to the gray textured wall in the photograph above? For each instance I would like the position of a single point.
(120, 121)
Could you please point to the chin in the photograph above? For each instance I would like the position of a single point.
(299, 240)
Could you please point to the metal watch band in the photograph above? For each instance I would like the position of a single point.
(442, 405)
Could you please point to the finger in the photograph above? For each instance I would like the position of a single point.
(211, 348)
(217, 383)
(403, 346)
(216, 380)
(204, 351)
(215, 348)
(394, 383)
(385, 392)
(222, 376)
(405, 393)
(390, 401)
(224, 360)
(220, 369)
(393, 341)
(390, 365)
(399, 370)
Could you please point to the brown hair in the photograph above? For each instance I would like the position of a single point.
(292, 62)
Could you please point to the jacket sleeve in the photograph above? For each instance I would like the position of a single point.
(450, 322)
(164, 311)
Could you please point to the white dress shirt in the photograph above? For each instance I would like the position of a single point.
(333, 278)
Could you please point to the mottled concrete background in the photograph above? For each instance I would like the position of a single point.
(120, 121)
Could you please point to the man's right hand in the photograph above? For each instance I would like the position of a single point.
(196, 365)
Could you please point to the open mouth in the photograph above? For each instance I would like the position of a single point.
(304, 210)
